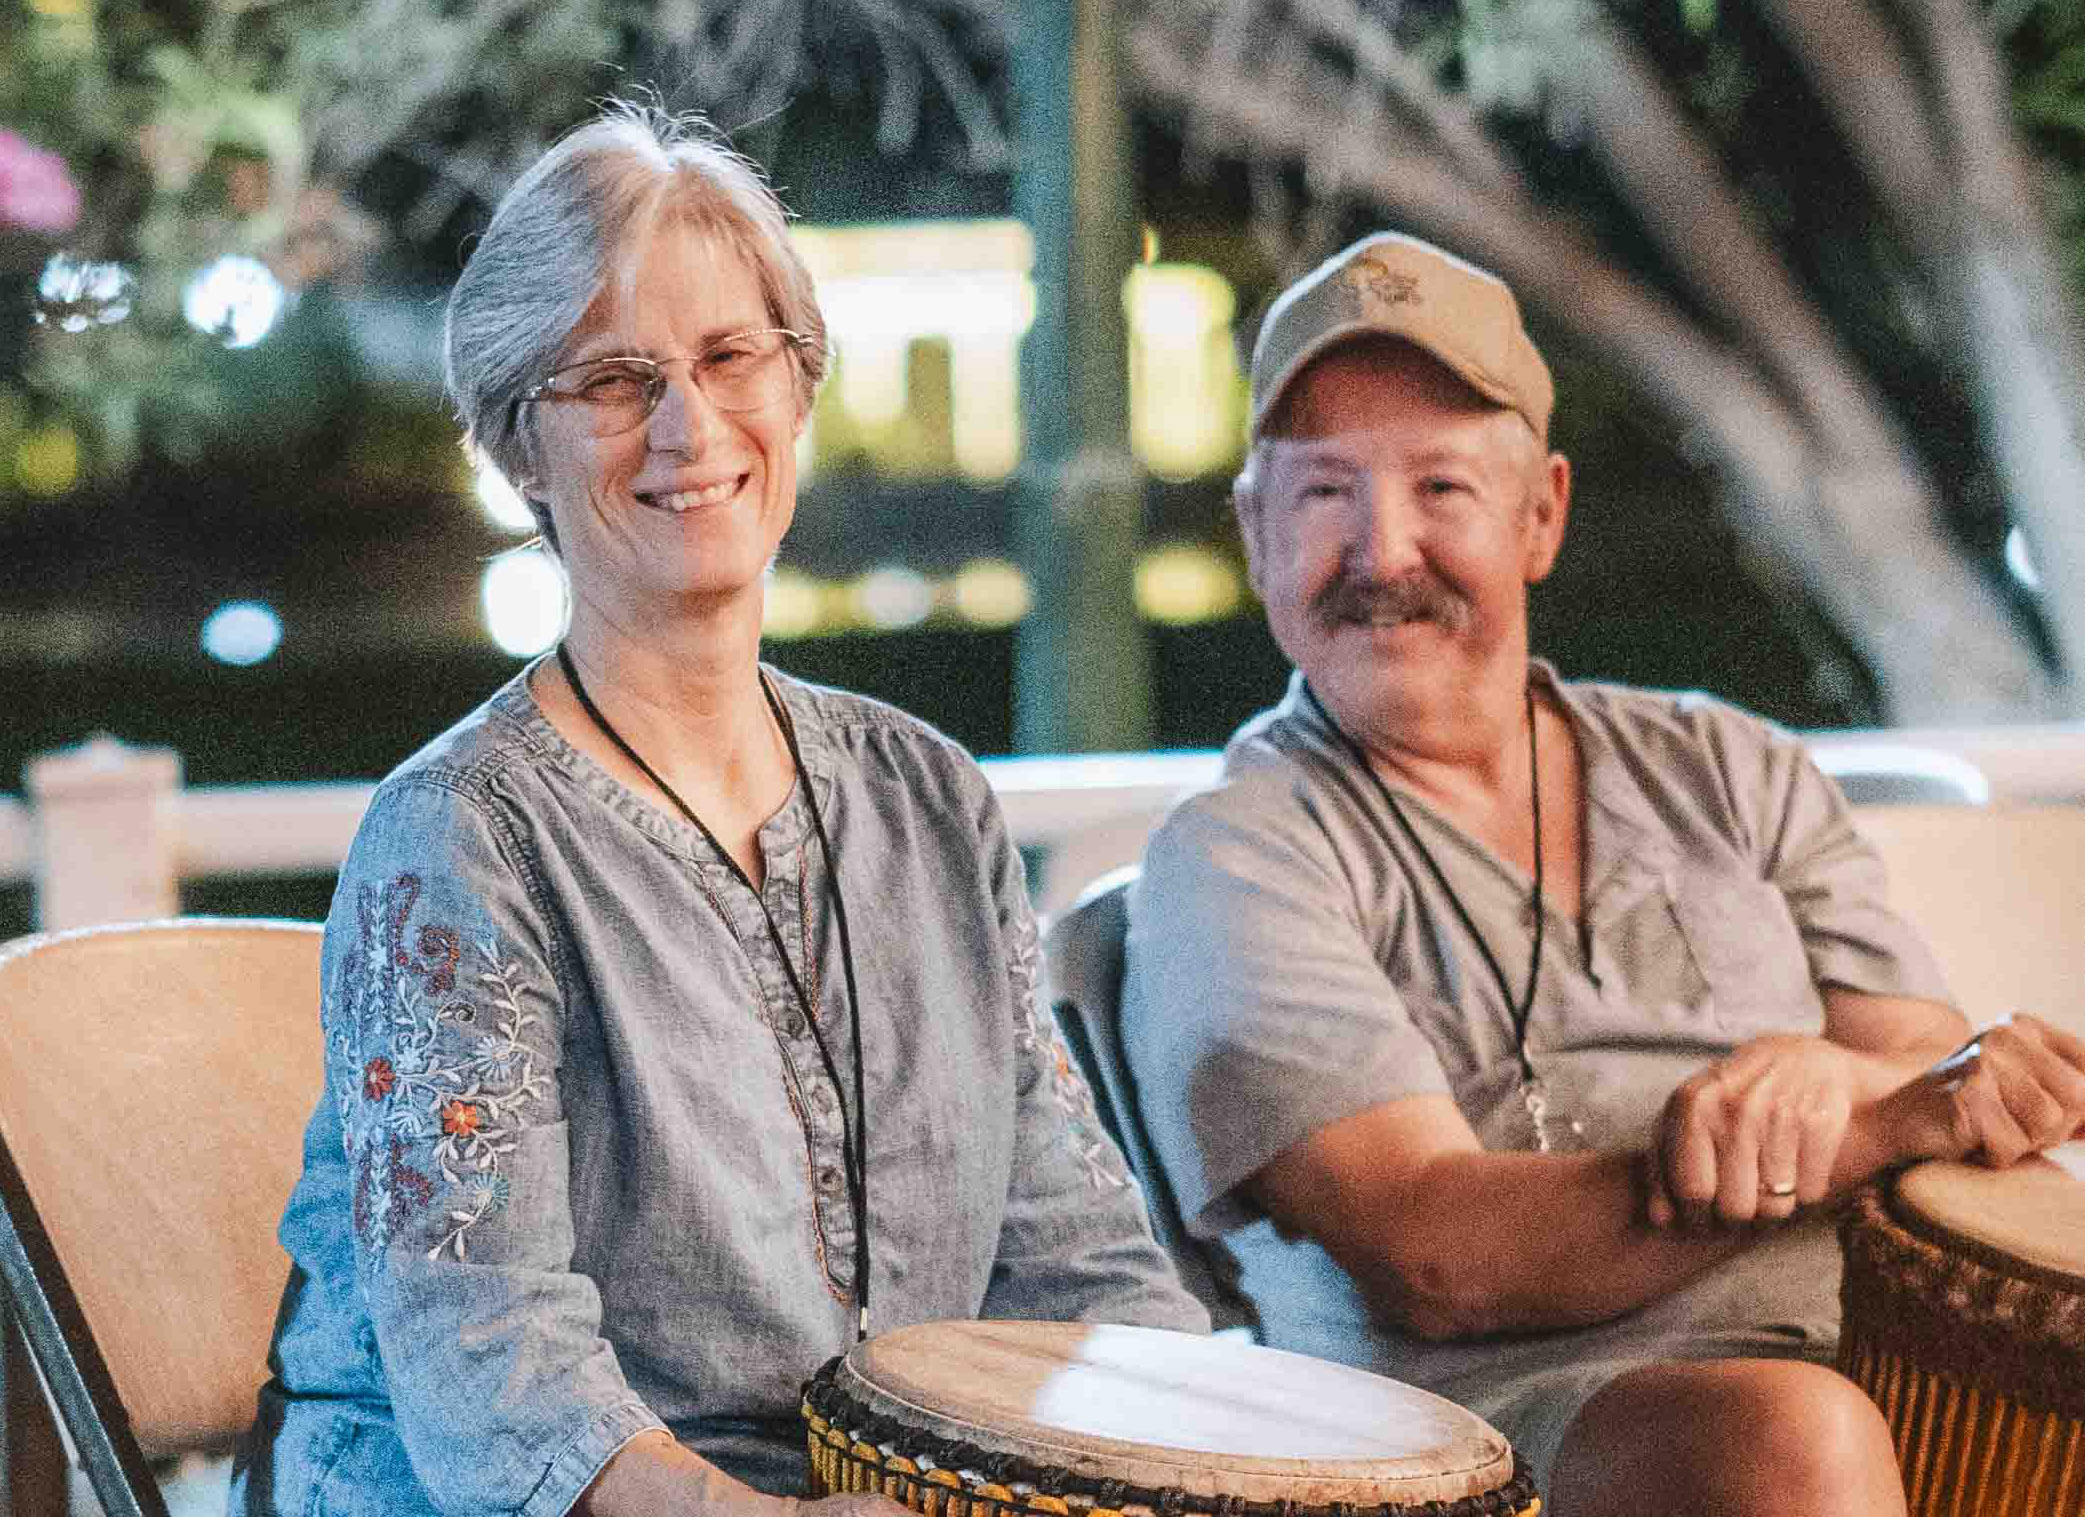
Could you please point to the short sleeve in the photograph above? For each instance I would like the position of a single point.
(1256, 1009)
(443, 1028)
(1812, 850)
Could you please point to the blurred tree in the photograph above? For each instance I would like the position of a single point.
(1806, 229)
(182, 130)
(438, 105)
(305, 136)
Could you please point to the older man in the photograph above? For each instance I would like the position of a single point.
(1510, 1032)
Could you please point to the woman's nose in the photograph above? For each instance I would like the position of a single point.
(685, 419)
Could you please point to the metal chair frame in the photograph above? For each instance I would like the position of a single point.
(1083, 954)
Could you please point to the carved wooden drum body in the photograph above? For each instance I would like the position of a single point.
(1964, 1317)
(1005, 1419)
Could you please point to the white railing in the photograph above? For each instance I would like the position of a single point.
(106, 832)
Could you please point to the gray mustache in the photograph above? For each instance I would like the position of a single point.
(1412, 597)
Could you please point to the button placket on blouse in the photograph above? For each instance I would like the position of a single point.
(787, 892)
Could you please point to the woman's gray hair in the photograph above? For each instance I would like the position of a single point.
(565, 230)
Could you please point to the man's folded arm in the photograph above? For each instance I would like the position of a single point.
(1446, 1240)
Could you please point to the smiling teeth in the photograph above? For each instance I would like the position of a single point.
(687, 500)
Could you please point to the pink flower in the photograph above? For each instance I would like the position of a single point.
(36, 193)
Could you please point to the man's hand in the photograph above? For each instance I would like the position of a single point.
(2023, 1092)
(1754, 1135)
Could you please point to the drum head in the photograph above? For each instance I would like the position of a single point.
(2033, 1211)
(1210, 1416)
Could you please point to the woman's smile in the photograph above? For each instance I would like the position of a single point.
(693, 497)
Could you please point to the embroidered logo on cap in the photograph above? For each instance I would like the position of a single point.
(1385, 287)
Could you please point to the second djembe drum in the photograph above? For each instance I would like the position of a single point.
(1006, 1419)
(1963, 1305)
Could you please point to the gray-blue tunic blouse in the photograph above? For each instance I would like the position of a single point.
(577, 1170)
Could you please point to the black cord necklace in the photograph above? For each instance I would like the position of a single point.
(1533, 1093)
(854, 1131)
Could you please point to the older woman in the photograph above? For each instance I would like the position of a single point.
(680, 1018)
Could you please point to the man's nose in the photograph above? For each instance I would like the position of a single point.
(1386, 531)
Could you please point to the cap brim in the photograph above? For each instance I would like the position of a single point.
(1347, 331)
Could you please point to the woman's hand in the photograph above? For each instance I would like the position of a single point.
(860, 1504)
(653, 1476)
(1754, 1135)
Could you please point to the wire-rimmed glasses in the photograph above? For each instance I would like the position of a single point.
(742, 372)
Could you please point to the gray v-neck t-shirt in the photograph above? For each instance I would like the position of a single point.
(1294, 960)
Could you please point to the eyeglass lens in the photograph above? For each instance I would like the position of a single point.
(741, 373)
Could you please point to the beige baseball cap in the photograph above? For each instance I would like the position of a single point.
(1400, 286)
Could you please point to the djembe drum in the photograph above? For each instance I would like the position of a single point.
(1008, 1419)
(1963, 1306)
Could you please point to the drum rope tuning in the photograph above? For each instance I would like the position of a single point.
(1972, 1347)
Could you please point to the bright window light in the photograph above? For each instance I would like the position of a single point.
(236, 299)
(523, 598)
(985, 405)
(1186, 417)
(871, 379)
(242, 633)
(925, 247)
(960, 285)
(966, 288)
(986, 303)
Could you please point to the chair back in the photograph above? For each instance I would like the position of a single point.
(155, 1081)
(1888, 772)
(1998, 892)
(1083, 954)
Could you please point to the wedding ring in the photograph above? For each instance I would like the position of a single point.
(1781, 1189)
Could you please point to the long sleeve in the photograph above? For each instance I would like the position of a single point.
(444, 1030)
(1075, 1242)
(579, 1170)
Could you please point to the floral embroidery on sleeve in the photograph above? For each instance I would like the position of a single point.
(1038, 1037)
(428, 1043)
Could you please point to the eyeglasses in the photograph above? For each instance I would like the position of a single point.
(742, 372)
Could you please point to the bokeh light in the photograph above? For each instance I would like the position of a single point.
(47, 460)
(1186, 584)
(242, 633)
(499, 500)
(73, 294)
(523, 598)
(990, 592)
(892, 597)
(236, 300)
(2019, 560)
(794, 605)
